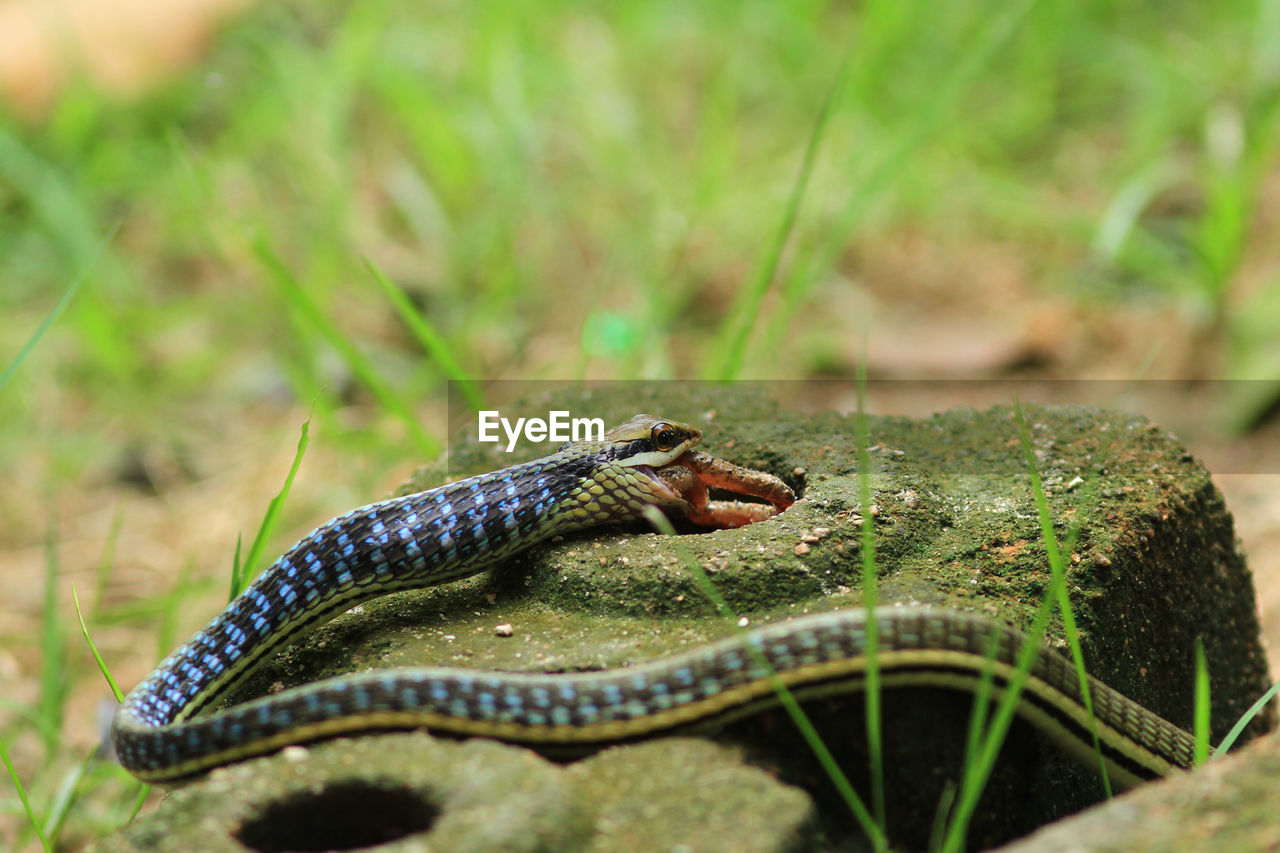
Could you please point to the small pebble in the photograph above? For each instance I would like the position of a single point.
(295, 754)
(505, 630)
(743, 621)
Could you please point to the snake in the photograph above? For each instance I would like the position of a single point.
(175, 724)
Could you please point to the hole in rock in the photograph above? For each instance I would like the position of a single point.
(342, 816)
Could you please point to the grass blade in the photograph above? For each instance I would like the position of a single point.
(68, 295)
(746, 309)
(1058, 573)
(1245, 719)
(1201, 726)
(786, 699)
(64, 799)
(22, 795)
(269, 518)
(108, 558)
(978, 770)
(139, 801)
(302, 302)
(237, 569)
(921, 126)
(982, 705)
(115, 690)
(93, 649)
(938, 832)
(53, 670)
(870, 600)
(428, 337)
(7, 374)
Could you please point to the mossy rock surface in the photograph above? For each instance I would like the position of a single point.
(1153, 565)
(1227, 805)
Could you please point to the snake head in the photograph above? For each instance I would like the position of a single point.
(650, 441)
(642, 445)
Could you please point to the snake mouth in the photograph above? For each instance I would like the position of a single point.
(659, 485)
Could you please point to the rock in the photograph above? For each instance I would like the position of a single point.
(1229, 804)
(1153, 565)
(404, 791)
(681, 793)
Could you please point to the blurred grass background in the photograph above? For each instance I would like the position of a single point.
(1061, 188)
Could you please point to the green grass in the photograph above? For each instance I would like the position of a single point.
(1201, 727)
(54, 680)
(872, 825)
(1246, 718)
(389, 398)
(243, 573)
(987, 732)
(93, 648)
(12, 367)
(870, 600)
(33, 820)
(345, 208)
(523, 174)
(745, 311)
(428, 338)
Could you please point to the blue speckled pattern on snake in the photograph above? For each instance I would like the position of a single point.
(432, 537)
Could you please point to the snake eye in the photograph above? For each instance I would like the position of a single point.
(665, 436)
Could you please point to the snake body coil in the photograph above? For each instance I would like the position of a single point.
(460, 529)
